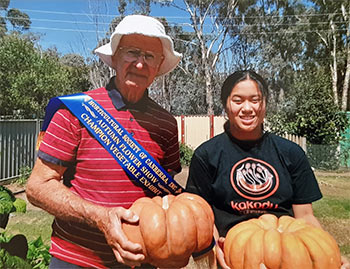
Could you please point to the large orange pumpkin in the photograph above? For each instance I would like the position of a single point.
(269, 242)
(171, 228)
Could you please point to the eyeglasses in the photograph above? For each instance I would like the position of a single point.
(131, 54)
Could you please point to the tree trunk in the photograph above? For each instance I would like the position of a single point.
(166, 93)
(334, 68)
(344, 104)
(209, 91)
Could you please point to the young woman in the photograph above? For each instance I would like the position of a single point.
(246, 171)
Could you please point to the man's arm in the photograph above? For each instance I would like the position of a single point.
(45, 190)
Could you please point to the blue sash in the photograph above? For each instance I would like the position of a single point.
(131, 156)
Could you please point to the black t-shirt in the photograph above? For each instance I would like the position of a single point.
(245, 179)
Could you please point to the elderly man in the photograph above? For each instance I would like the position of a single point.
(92, 201)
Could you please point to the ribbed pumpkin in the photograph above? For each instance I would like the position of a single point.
(285, 242)
(171, 228)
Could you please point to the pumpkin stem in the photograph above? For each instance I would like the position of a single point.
(165, 204)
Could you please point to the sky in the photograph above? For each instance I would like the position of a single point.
(75, 26)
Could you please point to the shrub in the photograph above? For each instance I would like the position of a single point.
(324, 157)
(186, 153)
(24, 174)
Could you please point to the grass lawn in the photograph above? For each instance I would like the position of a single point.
(333, 211)
(32, 224)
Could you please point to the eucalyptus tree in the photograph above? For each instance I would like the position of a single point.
(330, 25)
(179, 91)
(19, 20)
(270, 33)
(210, 22)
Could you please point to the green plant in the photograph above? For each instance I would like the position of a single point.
(15, 252)
(8, 204)
(38, 254)
(324, 157)
(186, 153)
(24, 174)
(8, 261)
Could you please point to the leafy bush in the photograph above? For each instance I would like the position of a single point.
(24, 175)
(12, 262)
(38, 254)
(308, 110)
(186, 153)
(8, 204)
(15, 251)
(324, 157)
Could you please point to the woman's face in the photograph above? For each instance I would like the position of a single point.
(246, 109)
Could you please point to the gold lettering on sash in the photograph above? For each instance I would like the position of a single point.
(129, 157)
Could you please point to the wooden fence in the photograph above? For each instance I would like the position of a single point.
(18, 140)
(194, 130)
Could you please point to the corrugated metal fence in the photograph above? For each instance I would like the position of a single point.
(17, 146)
(18, 140)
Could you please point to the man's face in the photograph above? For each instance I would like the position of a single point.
(133, 77)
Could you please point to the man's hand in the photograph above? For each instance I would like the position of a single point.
(125, 251)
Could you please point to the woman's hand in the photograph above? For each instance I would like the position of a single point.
(220, 253)
(125, 251)
(345, 264)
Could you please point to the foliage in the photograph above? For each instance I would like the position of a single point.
(14, 249)
(12, 262)
(24, 174)
(38, 254)
(323, 157)
(9, 203)
(185, 154)
(18, 19)
(308, 110)
(29, 77)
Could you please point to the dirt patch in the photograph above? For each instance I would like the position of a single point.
(181, 178)
(338, 173)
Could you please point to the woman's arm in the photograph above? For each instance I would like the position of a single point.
(305, 211)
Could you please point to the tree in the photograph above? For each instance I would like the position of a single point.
(20, 21)
(331, 26)
(200, 13)
(29, 77)
(210, 22)
(309, 110)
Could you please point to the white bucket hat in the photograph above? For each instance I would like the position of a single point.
(143, 25)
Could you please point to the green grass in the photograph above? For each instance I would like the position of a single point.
(332, 208)
(333, 211)
(32, 224)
